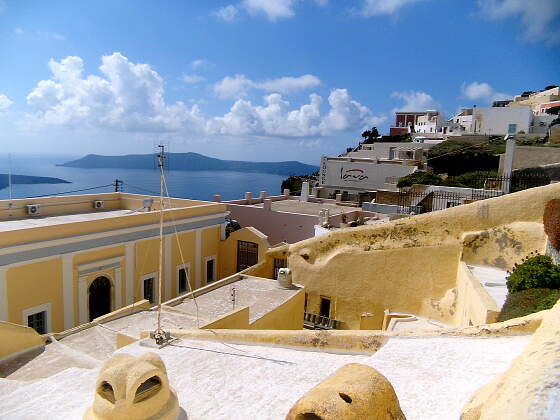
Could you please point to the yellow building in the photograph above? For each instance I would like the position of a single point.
(65, 261)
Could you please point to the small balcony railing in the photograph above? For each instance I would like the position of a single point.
(318, 322)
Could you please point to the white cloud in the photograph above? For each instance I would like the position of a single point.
(58, 37)
(239, 86)
(476, 91)
(290, 84)
(193, 78)
(347, 114)
(383, 7)
(538, 17)
(273, 9)
(277, 119)
(233, 87)
(199, 64)
(129, 97)
(19, 31)
(227, 13)
(415, 101)
(5, 103)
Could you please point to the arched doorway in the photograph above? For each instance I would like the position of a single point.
(99, 297)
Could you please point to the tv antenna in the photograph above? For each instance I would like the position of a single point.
(161, 337)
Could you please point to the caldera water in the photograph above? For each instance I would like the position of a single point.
(200, 185)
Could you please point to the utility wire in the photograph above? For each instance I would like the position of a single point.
(140, 188)
(73, 191)
(455, 151)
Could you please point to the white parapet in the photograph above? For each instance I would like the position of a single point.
(304, 197)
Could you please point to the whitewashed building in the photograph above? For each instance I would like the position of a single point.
(372, 167)
(429, 122)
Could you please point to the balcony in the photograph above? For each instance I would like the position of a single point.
(318, 322)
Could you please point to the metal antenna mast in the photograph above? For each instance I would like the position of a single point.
(161, 337)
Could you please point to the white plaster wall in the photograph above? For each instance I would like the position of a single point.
(495, 120)
(368, 175)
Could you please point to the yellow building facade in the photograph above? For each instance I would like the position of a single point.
(69, 262)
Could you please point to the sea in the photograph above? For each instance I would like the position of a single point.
(199, 185)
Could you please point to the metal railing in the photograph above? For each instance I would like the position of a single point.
(442, 197)
(314, 321)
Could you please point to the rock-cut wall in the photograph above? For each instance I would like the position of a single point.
(410, 265)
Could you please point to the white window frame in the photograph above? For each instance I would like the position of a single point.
(215, 259)
(146, 277)
(46, 307)
(187, 267)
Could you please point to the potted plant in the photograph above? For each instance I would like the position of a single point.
(343, 220)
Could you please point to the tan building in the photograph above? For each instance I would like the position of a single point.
(65, 261)
(535, 99)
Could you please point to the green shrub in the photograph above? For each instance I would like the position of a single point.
(535, 272)
(527, 302)
(419, 177)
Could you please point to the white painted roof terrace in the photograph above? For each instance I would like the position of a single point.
(99, 341)
(432, 377)
(38, 221)
(259, 294)
(13, 212)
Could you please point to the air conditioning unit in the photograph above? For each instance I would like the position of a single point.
(147, 203)
(33, 209)
(98, 204)
(285, 278)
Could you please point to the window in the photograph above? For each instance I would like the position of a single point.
(38, 317)
(512, 128)
(183, 278)
(210, 270)
(149, 289)
(325, 307)
(38, 321)
(247, 255)
(278, 264)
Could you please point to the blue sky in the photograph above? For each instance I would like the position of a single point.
(256, 79)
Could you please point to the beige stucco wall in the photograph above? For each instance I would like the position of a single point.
(474, 305)
(528, 390)
(407, 265)
(183, 253)
(287, 316)
(16, 339)
(228, 249)
(237, 319)
(36, 284)
(410, 280)
(505, 245)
